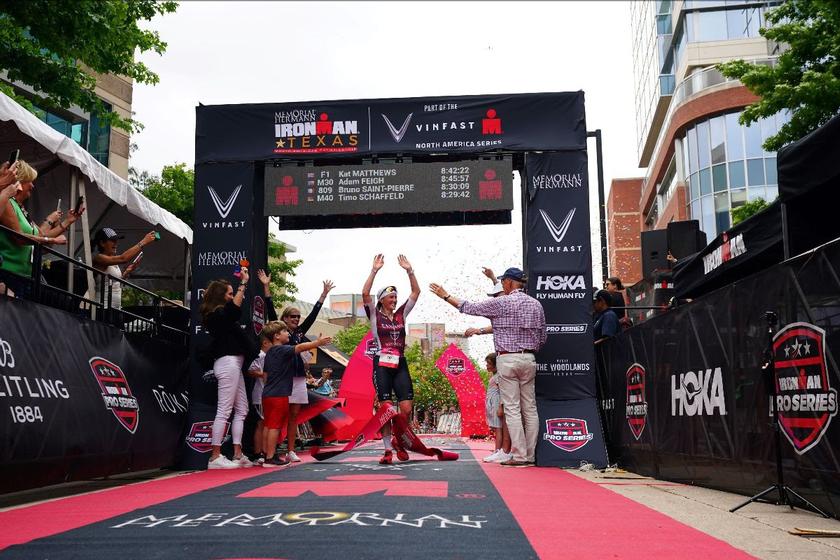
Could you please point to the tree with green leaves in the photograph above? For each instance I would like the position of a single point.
(173, 190)
(348, 338)
(58, 48)
(806, 77)
(280, 269)
(749, 209)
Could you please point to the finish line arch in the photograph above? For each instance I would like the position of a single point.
(418, 162)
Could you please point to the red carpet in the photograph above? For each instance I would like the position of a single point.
(27, 523)
(565, 516)
(468, 509)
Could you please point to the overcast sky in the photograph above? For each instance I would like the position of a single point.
(257, 52)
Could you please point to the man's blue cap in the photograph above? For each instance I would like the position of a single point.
(514, 274)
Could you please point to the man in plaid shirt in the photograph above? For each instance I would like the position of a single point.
(518, 326)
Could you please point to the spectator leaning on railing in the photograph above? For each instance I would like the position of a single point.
(16, 250)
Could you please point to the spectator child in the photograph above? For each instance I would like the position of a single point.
(256, 371)
(495, 415)
(280, 366)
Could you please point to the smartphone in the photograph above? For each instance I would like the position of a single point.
(137, 258)
(79, 202)
(13, 156)
(58, 206)
(157, 235)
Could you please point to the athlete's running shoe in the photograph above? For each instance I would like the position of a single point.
(387, 457)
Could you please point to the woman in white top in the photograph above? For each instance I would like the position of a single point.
(107, 260)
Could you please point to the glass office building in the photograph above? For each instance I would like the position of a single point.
(701, 163)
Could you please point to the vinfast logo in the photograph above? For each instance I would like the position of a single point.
(805, 399)
(397, 133)
(698, 393)
(223, 207)
(558, 232)
(571, 286)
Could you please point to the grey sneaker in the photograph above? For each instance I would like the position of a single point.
(242, 462)
(293, 457)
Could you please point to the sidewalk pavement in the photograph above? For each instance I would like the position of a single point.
(758, 529)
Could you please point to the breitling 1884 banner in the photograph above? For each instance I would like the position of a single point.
(82, 399)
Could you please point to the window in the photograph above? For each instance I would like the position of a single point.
(755, 172)
(734, 139)
(719, 177)
(717, 135)
(710, 26)
(736, 175)
(703, 144)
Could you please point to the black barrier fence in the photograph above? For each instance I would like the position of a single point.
(684, 396)
(82, 399)
(61, 282)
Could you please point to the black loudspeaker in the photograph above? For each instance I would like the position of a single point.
(654, 251)
(685, 238)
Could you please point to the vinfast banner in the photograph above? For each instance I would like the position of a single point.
(469, 389)
(559, 266)
(85, 401)
(685, 396)
(430, 125)
(226, 233)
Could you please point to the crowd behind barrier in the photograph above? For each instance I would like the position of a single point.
(684, 396)
(48, 285)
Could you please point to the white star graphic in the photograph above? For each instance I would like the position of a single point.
(787, 351)
(796, 346)
(807, 347)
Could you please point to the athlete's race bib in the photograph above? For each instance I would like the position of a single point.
(388, 357)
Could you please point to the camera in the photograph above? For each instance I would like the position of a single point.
(771, 317)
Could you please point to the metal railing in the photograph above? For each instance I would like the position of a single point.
(35, 288)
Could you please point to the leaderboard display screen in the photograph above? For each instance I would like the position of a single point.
(389, 188)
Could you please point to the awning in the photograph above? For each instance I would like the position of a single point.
(110, 200)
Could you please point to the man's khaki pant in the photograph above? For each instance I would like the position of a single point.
(517, 373)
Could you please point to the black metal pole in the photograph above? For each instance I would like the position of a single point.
(602, 205)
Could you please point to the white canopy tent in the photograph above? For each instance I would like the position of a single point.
(66, 170)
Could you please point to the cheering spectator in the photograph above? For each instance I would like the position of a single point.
(518, 323)
(107, 260)
(15, 250)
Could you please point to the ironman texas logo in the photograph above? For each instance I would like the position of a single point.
(806, 401)
(116, 393)
(636, 404)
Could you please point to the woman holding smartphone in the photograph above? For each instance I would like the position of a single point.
(17, 250)
(107, 260)
(390, 370)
